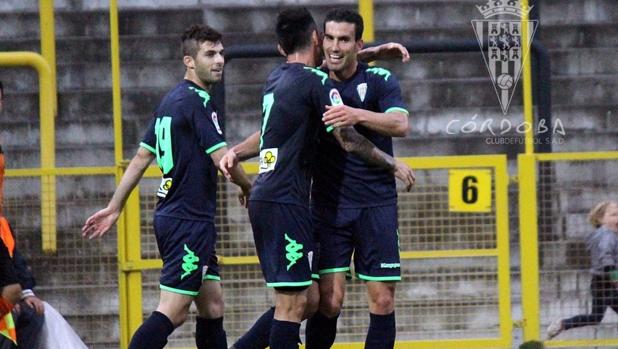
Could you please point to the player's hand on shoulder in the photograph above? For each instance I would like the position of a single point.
(405, 174)
(340, 115)
(99, 223)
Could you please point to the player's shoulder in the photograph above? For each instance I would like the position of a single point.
(315, 75)
(379, 74)
(197, 96)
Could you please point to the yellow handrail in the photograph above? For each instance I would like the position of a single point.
(47, 93)
(48, 42)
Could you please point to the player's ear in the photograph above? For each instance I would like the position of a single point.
(315, 37)
(189, 62)
(281, 51)
(360, 44)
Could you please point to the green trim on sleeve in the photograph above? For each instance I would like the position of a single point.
(289, 284)
(334, 270)
(175, 290)
(389, 110)
(378, 278)
(212, 277)
(215, 147)
(315, 276)
(147, 147)
(330, 128)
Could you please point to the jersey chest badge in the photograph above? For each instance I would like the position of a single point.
(215, 121)
(362, 91)
(335, 97)
(268, 159)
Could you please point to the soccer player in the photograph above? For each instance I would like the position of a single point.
(187, 141)
(354, 205)
(295, 96)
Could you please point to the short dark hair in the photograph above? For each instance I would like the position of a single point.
(1, 89)
(195, 35)
(294, 29)
(348, 16)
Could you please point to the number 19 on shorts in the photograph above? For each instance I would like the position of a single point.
(469, 190)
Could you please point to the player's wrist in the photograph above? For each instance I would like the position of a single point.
(27, 293)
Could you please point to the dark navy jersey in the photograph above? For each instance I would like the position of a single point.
(344, 180)
(295, 98)
(182, 134)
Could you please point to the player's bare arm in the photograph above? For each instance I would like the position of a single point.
(247, 149)
(393, 123)
(391, 50)
(100, 222)
(353, 142)
(236, 175)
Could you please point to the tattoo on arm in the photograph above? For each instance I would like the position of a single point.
(355, 143)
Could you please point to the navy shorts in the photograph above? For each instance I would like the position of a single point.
(284, 243)
(187, 248)
(370, 233)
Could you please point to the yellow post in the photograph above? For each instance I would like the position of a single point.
(527, 79)
(48, 135)
(48, 41)
(502, 245)
(365, 8)
(129, 247)
(529, 246)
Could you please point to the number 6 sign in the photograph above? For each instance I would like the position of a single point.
(469, 190)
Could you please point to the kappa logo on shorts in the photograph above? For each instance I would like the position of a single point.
(268, 159)
(189, 262)
(292, 249)
(164, 187)
(390, 265)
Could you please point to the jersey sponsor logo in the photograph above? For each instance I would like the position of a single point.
(215, 121)
(335, 97)
(164, 187)
(390, 265)
(293, 251)
(268, 159)
(189, 262)
(362, 91)
(380, 72)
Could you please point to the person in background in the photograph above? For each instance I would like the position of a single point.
(603, 247)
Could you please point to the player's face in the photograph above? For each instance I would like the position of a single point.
(209, 62)
(340, 46)
(610, 218)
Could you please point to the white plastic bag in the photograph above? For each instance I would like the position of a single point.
(57, 333)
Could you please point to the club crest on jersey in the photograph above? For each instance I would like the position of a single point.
(335, 97)
(268, 159)
(164, 187)
(505, 43)
(215, 121)
(362, 91)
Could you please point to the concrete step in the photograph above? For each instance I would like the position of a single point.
(96, 23)
(164, 73)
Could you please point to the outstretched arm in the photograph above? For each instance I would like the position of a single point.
(236, 175)
(100, 222)
(392, 123)
(247, 149)
(355, 143)
(391, 50)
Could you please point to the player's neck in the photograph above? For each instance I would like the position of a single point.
(305, 57)
(194, 79)
(344, 74)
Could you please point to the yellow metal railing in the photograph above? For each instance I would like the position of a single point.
(365, 9)
(48, 153)
(529, 243)
(498, 163)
